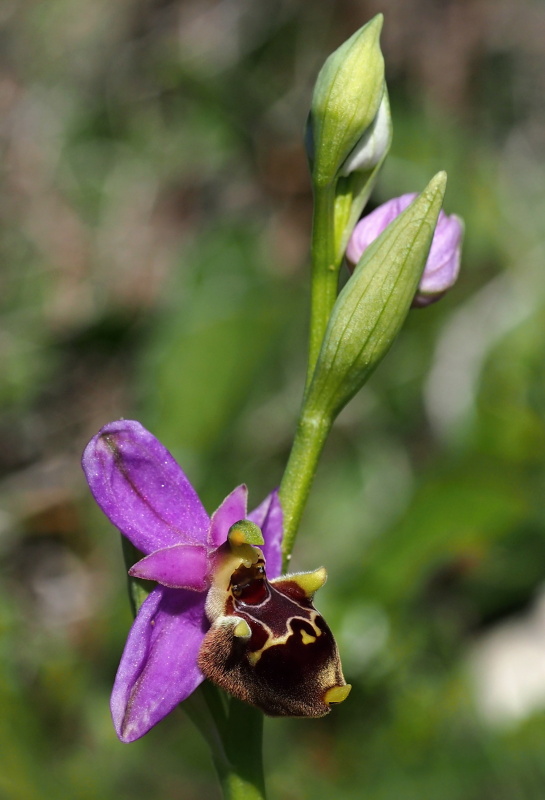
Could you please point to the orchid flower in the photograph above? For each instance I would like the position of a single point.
(215, 611)
(443, 264)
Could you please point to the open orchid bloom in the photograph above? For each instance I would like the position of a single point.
(220, 609)
(443, 264)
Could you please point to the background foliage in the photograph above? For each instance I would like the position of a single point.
(154, 223)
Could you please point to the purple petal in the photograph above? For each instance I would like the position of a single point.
(443, 264)
(268, 516)
(230, 511)
(372, 225)
(142, 489)
(182, 566)
(158, 667)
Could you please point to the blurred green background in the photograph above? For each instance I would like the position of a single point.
(154, 225)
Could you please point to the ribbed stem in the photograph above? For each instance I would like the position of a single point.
(325, 271)
(234, 733)
(295, 486)
(244, 778)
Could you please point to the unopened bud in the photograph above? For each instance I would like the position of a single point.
(374, 143)
(372, 306)
(346, 101)
(443, 264)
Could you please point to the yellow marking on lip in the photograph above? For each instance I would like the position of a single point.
(242, 630)
(253, 658)
(337, 694)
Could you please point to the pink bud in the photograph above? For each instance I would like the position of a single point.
(443, 264)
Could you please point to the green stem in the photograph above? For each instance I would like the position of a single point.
(325, 271)
(243, 779)
(234, 733)
(312, 431)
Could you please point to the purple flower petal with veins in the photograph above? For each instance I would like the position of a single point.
(443, 264)
(145, 493)
(158, 668)
(141, 488)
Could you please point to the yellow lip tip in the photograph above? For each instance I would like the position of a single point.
(337, 693)
(242, 630)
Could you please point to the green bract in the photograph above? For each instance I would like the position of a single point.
(346, 100)
(372, 307)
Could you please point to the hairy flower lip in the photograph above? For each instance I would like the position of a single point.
(147, 496)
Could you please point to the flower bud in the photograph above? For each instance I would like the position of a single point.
(443, 264)
(374, 143)
(358, 174)
(346, 102)
(372, 306)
